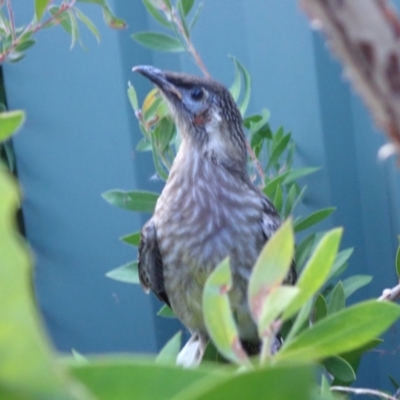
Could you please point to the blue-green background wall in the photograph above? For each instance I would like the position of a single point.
(79, 141)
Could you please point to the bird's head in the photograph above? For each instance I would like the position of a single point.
(205, 113)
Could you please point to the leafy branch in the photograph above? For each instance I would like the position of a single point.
(14, 41)
(184, 32)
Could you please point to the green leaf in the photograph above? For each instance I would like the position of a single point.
(211, 355)
(298, 197)
(9, 156)
(340, 260)
(313, 219)
(168, 4)
(109, 18)
(338, 300)
(290, 155)
(166, 312)
(298, 173)
(132, 239)
(300, 321)
(256, 142)
(158, 41)
(25, 45)
(395, 384)
(271, 185)
(186, 5)
(112, 21)
(127, 273)
(14, 56)
(317, 269)
(5, 29)
(341, 332)
(236, 85)
(218, 316)
(275, 302)
(259, 130)
(127, 378)
(170, 351)
(163, 133)
(151, 104)
(355, 282)
(88, 23)
(398, 262)
(278, 135)
(163, 110)
(261, 123)
(74, 28)
(140, 201)
(278, 199)
(320, 308)
(29, 370)
(27, 35)
(144, 145)
(10, 122)
(340, 369)
(353, 357)
(271, 268)
(278, 150)
(133, 97)
(263, 383)
(161, 171)
(40, 8)
(62, 18)
(290, 201)
(182, 16)
(158, 163)
(303, 250)
(326, 389)
(196, 16)
(247, 85)
(153, 11)
(79, 357)
(67, 21)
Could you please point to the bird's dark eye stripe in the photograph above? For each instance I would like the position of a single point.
(197, 93)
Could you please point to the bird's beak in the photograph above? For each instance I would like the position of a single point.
(159, 79)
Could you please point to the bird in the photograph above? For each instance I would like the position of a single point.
(208, 210)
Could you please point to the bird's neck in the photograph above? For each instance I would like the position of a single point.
(207, 161)
(214, 138)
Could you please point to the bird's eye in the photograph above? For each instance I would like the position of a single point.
(197, 93)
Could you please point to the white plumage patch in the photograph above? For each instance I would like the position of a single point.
(215, 136)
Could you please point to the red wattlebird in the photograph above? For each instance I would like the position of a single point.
(209, 209)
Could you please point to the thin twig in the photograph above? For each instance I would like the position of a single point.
(192, 50)
(12, 21)
(360, 391)
(392, 294)
(257, 164)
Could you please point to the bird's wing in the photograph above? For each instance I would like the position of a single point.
(270, 223)
(150, 263)
(270, 218)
